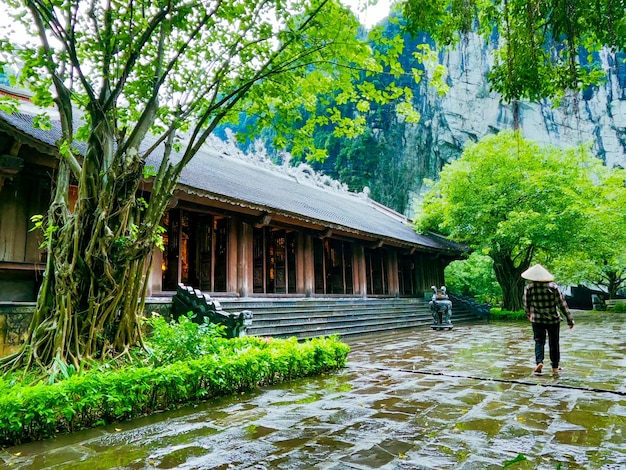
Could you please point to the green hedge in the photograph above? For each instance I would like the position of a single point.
(619, 307)
(498, 314)
(34, 412)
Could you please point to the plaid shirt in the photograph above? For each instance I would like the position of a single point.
(542, 302)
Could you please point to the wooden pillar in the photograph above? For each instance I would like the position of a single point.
(232, 255)
(244, 260)
(392, 269)
(155, 276)
(360, 277)
(309, 266)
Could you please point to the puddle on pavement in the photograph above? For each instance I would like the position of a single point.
(488, 427)
(419, 399)
(178, 457)
(254, 432)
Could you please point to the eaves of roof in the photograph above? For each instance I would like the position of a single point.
(233, 181)
(214, 176)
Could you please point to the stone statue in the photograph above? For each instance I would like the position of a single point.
(441, 309)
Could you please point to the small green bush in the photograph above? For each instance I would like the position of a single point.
(499, 314)
(182, 340)
(620, 307)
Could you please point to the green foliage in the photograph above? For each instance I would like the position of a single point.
(182, 340)
(62, 371)
(48, 230)
(519, 458)
(538, 43)
(600, 257)
(619, 307)
(39, 411)
(377, 158)
(508, 193)
(174, 71)
(517, 201)
(498, 314)
(474, 277)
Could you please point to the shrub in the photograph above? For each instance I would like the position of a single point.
(207, 366)
(499, 314)
(620, 307)
(182, 340)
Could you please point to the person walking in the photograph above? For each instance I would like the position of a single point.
(544, 303)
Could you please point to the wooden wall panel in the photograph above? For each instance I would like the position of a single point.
(13, 222)
(360, 276)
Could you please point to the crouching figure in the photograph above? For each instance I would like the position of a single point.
(441, 309)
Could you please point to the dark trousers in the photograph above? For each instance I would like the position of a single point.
(539, 332)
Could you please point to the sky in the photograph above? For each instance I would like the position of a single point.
(369, 15)
(372, 14)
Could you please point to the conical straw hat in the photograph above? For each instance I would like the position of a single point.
(538, 273)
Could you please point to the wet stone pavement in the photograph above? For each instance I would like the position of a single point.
(422, 399)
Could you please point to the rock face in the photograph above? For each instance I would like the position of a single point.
(470, 111)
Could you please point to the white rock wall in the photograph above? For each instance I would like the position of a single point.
(469, 110)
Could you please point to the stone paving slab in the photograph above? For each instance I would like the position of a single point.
(461, 399)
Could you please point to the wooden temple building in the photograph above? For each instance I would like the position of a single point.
(235, 228)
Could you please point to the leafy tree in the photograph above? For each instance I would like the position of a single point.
(140, 74)
(474, 277)
(518, 202)
(538, 42)
(600, 260)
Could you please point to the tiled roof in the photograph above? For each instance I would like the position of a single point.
(216, 176)
(221, 177)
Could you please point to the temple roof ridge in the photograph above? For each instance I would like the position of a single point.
(302, 173)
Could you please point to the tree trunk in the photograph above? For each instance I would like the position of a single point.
(509, 277)
(613, 283)
(98, 260)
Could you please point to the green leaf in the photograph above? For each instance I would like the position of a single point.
(519, 458)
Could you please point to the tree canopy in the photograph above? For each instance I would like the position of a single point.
(600, 259)
(519, 202)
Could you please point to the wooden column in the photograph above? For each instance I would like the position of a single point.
(420, 277)
(155, 276)
(392, 269)
(244, 260)
(360, 277)
(309, 266)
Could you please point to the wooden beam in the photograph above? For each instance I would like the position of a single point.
(326, 233)
(264, 220)
(39, 267)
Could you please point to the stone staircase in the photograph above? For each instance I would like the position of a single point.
(307, 318)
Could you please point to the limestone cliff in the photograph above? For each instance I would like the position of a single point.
(469, 111)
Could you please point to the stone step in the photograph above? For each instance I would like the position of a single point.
(302, 314)
(318, 305)
(307, 318)
(311, 317)
(346, 328)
